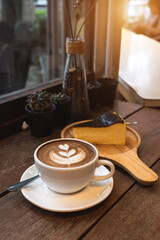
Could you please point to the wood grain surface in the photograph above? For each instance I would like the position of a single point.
(136, 216)
(16, 151)
(124, 156)
(130, 212)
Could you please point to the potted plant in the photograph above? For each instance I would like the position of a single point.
(93, 89)
(40, 110)
(62, 111)
(107, 90)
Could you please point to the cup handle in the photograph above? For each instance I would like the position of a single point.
(110, 174)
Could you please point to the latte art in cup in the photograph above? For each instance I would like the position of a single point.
(66, 153)
(67, 165)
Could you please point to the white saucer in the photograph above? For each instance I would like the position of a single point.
(38, 193)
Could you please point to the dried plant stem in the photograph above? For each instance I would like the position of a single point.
(75, 29)
(69, 18)
(86, 18)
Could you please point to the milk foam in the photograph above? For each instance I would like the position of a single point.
(65, 154)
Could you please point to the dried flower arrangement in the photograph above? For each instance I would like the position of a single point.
(77, 5)
(74, 83)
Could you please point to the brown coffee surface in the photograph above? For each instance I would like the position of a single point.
(66, 153)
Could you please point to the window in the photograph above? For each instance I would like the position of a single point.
(144, 18)
(32, 42)
(137, 10)
(32, 47)
(32, 53)
(27, 56)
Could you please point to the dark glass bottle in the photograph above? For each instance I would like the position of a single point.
(74, 82)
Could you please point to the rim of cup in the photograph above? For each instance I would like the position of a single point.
(65, 168)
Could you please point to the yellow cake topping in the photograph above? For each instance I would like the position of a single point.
(109, 128)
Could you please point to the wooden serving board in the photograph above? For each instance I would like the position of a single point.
(124, 156)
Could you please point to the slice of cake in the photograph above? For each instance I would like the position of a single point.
(109, 128)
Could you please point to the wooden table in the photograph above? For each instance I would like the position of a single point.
(139, 79)
(132, 211)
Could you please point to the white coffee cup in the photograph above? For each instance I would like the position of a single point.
(71, 179)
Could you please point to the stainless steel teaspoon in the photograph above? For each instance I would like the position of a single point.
(20, 185)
